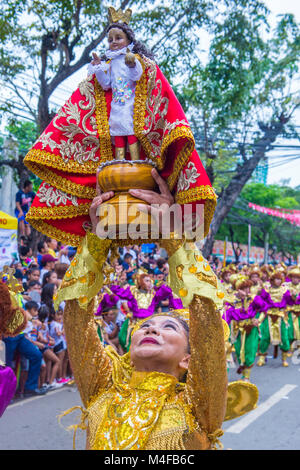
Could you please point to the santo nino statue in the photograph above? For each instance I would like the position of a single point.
(124, 110)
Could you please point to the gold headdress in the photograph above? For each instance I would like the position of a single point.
(295, 271)
(233, 278)
(12, 316)
(242, 281)
(277, 274)
(254, 270)
(118, 16)
(7, 276)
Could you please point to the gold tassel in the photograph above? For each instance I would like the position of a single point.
(81, 425)
(214, 439)
(172, 441)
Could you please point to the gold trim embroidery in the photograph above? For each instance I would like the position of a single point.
(59, 235)
(51, 195)
(183, 155)
(200, 192)
(55, 161)
(193, 194)
(106, 152)
(58, 212)
(140, 110)
(60, 182)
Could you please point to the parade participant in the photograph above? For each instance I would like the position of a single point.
(244, 318)
(255, 277)
(266, 271)
(274, 329)
(227, 275)
(148, 380)
(292, 297)
(12, 322)
(109, 320)
(78, 140)
(142, 300)
(127, 398)
(24, 198)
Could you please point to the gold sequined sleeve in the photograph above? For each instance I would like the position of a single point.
(207, 375)
(90, 364)
(193, 280)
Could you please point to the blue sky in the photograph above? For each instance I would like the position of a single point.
(289, 170)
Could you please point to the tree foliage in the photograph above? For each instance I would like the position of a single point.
(282, 236)
(237, 90)
(50, 40)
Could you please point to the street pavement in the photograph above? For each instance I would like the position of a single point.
(32, 424)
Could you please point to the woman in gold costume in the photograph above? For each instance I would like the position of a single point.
(169, 391)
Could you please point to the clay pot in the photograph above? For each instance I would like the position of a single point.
(122, 210)
(120, 177)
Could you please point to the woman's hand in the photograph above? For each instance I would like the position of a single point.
(164, 199)
(96, 202)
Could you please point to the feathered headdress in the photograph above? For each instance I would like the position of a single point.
(12, 316)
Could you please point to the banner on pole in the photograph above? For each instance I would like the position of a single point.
(8, 239)
(292, 215)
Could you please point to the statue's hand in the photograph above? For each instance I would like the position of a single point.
(96, 59)
(129, 59)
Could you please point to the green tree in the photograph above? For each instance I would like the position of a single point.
(241, 99)
(282, 236)
(54, 39)
(25, 133)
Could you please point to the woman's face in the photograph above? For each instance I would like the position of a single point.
(53, 244)
(53, 278)
(160, 344)
(117, 39)
(295, 280)
(108, 316)
(277, 281)
(254, 278)
(35, 275)
(147, 283)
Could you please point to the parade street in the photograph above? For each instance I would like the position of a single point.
(32, 423)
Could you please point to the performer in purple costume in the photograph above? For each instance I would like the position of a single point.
(244, 317)
(12, 321)
(274, 329)
(142, 301)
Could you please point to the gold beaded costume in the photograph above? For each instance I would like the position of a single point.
(126, 409)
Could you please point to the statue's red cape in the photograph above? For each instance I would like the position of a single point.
(77, 141)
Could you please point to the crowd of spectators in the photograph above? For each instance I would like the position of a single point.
(39, 355)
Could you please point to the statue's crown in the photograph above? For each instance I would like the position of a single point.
(118, 16)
